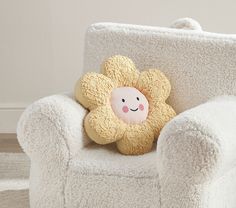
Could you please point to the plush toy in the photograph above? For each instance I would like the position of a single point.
(126, 106)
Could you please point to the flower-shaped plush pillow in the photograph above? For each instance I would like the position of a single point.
(126, 106)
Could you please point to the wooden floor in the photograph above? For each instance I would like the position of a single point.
(9, 143)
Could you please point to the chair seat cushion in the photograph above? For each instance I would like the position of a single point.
(132, 181)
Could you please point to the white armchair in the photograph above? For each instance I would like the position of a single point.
(193, 163)
(197, 157)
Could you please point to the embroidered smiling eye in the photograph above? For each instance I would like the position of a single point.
(137, 98)
(123, 100)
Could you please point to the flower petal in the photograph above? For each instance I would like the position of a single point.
(93, 90)
(159, 114)
(103, 126)
(154, 85)
(138, 139)
(122, 70)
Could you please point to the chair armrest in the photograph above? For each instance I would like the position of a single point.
(200, 144)
(52, 127)
(194, 150)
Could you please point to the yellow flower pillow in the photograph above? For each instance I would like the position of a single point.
(126, 106)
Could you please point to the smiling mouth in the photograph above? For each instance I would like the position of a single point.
(133, 109)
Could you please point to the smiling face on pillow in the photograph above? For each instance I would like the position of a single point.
(129, 104)
(126, 106)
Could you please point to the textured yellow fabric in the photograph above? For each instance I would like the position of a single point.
(103, 126)
(121, 70)
(137, 139)
(159, 114)
(93, 91)
(154, 84)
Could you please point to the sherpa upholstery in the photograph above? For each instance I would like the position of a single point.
(198, 64)
(193, 163)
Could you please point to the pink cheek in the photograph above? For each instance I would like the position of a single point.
(141, 107)
(125, 109)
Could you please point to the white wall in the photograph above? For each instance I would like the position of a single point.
(41, 42)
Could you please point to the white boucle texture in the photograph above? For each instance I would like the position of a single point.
(193, 166)
(199, 65)
(196, 151)
(51, 132)
(186, 24)
(102, 177)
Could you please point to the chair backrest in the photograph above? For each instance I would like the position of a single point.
(199, 64)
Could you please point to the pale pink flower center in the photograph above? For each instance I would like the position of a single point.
(129, 104)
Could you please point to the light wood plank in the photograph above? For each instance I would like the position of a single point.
(8, 136)
(9, 143)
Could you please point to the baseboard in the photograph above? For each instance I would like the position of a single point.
(9, 116)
